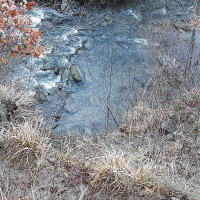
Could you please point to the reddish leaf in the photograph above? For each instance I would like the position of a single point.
(12, 13)
(2, 22)
(12, 17)
(15, 21)
(3, 60)
(14, 55)
(24, 53)
(40, 50)
(39, 33)
(17, 26)
(19, 48)
(30, 5)
(35, 54)
(35, 35)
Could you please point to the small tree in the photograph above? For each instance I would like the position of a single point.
(16, 34)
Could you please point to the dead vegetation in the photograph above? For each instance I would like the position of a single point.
(133, 165)
(16, 104)
(175, 150)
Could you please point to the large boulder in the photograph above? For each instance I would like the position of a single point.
(76, 73)
(65, 76)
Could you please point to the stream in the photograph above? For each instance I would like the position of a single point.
(108, 48)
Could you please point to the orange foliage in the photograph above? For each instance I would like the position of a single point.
(16, 35)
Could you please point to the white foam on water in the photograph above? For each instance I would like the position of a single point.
(36, 16)
(141, 41)
(133, 14)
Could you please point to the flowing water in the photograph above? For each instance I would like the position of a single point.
(108, 46)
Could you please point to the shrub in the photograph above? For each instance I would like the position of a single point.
(16, 33)
(15, 30)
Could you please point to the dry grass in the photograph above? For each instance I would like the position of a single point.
(178, 161)
(79, 168)
(144, 118)
(22, 131)
(143, 165)
(119, 174)
(16, 103)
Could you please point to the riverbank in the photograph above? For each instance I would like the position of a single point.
(154, 156)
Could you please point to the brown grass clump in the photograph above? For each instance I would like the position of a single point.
(22, 132)
(143, 118)
(28, 141)
(118, 174)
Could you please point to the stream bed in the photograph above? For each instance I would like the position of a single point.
(107, 46)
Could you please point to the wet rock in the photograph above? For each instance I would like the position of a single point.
(162, 11)
(62, 20)
(166, 60)
(167, 127)
(74, 105)
(47, 66)
(57, 70)
(60, 85)
(182, 25)
(44, 74)
(58, 115)
(107, 20)
(164, 24)
(76, 73)
(40, 94)
(79, 13)
(65, 76)
(170, 137)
